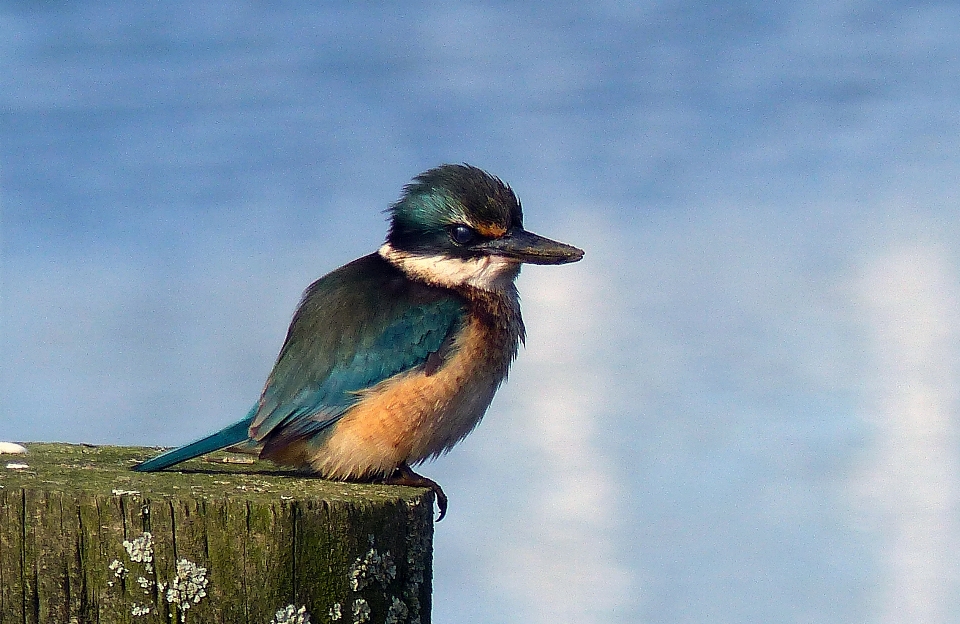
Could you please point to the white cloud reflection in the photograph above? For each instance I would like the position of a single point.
(910, 298)
(561, 552)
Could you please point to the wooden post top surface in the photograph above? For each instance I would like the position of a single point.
(107, 470)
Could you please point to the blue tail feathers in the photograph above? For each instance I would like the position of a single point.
(234, 434)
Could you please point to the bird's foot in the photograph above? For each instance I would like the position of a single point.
(404, 475)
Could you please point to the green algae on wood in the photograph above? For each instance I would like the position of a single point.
(74, 522)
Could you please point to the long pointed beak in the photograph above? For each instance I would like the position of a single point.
(531, 248)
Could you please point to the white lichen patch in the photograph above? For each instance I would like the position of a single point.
(397, 612)
(118, 492)
(140, 550)
(118, 569)
(380, 569)
(372, 568)
(361, 611)
(17, 466)
(188, 587)
(291, 615)
(185, 590)
(238, 460)
(335, 612)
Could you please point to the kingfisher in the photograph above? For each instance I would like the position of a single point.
(392, 359)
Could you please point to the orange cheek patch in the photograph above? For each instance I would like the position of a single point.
(491, 230)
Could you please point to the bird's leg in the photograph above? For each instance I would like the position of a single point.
(404, 475)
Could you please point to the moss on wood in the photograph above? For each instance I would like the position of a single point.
(75, 522)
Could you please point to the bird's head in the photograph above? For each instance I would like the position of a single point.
(457, 225)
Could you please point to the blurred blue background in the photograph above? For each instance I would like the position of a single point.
(741, 406)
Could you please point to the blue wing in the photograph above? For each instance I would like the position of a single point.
(354, 328)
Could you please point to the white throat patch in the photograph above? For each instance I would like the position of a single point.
(486, 272)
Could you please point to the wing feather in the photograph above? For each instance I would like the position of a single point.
(354, 328)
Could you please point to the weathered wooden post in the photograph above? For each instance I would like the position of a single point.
(83, 539)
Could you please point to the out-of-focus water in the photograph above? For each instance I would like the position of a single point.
(741, 406)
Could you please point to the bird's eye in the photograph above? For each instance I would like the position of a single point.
(462, 235)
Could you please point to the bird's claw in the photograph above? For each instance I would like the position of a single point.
(404, 475)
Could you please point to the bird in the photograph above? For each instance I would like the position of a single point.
(394, 358)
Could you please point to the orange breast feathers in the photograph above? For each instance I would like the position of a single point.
(421, 413)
